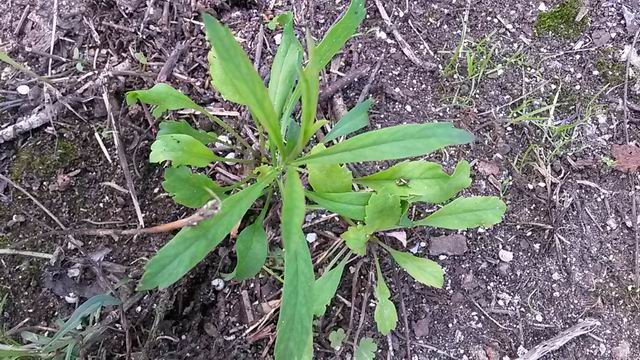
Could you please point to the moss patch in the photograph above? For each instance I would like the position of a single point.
(561, 20)
(612, 72)
(42, 162)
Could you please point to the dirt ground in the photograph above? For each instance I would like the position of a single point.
(566, 252)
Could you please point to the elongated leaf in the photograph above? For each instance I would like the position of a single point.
(356, 238)
(310, 87)
(193, 243)
(286, 63)
(251, 250)
(382, 212)
(294, 336)
(240, 76)
(88, 307)
(338, 34)
(420, 181)
(16, 352)
(182, 127)
(189, 189)
(467, 212)
(163, 97)
(356, 119)
(424, 271)
(329, 178)
(391, 143)
(4, 57)
(181, 150)
(324, 288)
(366, 349)
(385, 315)
(350, 204)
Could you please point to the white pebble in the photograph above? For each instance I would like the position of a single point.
(311, 237)
(504, 255)
(23, 90)
(217, 284)
(71, 298)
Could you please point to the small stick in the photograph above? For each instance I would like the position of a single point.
(170, 64)
(372, 77)
(363, 311)
(25, 13)
(353, 75)
(559, 340)
(53, 34)
(102, 147)
(625, 107)
(404, 46)
(489, 316)
(26, 253)
(207, 211)
(122, 156)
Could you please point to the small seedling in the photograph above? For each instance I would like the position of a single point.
(72, 335)
(286, 147)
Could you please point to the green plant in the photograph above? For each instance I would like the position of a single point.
(561, 20)
(69, 338)
(283, 151)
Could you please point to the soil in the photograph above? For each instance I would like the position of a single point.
(569, 223)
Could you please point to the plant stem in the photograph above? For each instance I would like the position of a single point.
(227, 128)
(270, 272)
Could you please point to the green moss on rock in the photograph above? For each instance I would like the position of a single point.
(561, 20)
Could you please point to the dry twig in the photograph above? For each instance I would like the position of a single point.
(404, 46)
(559, 340)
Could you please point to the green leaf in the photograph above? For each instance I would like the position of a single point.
(142, 59)
(241, 78)
(336, 338)
(183, 127)
(4, 57)
(329, 178)
(286, 63)
(338, 34)
(385, 315)
(251, 251)
(420, 181)
(310, 87)
(189, 189)
(366, 349)
(324, 288)
(382, 212)
(356, 238)
(348, 204)
(181, 150)
(163, 97)
(294, 337)
(88, 307)
(193, 243)
(356, 119)
(16, 352)
(424, 271)
(390, 143)
(466, 212)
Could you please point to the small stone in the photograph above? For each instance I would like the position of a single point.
(71, 298)
(542, 7)
(311, 237)
(211, 330)
(539, 317)
(504, 255)
(487, 168)
(503, 269)
(217, 284)
(448, 245)
(555, 276)
(612, 223)
(421, 327)
(469, 281)
(622, 351)
(277, 38)
(23, 89)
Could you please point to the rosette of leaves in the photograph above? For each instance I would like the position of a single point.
(284, 112)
